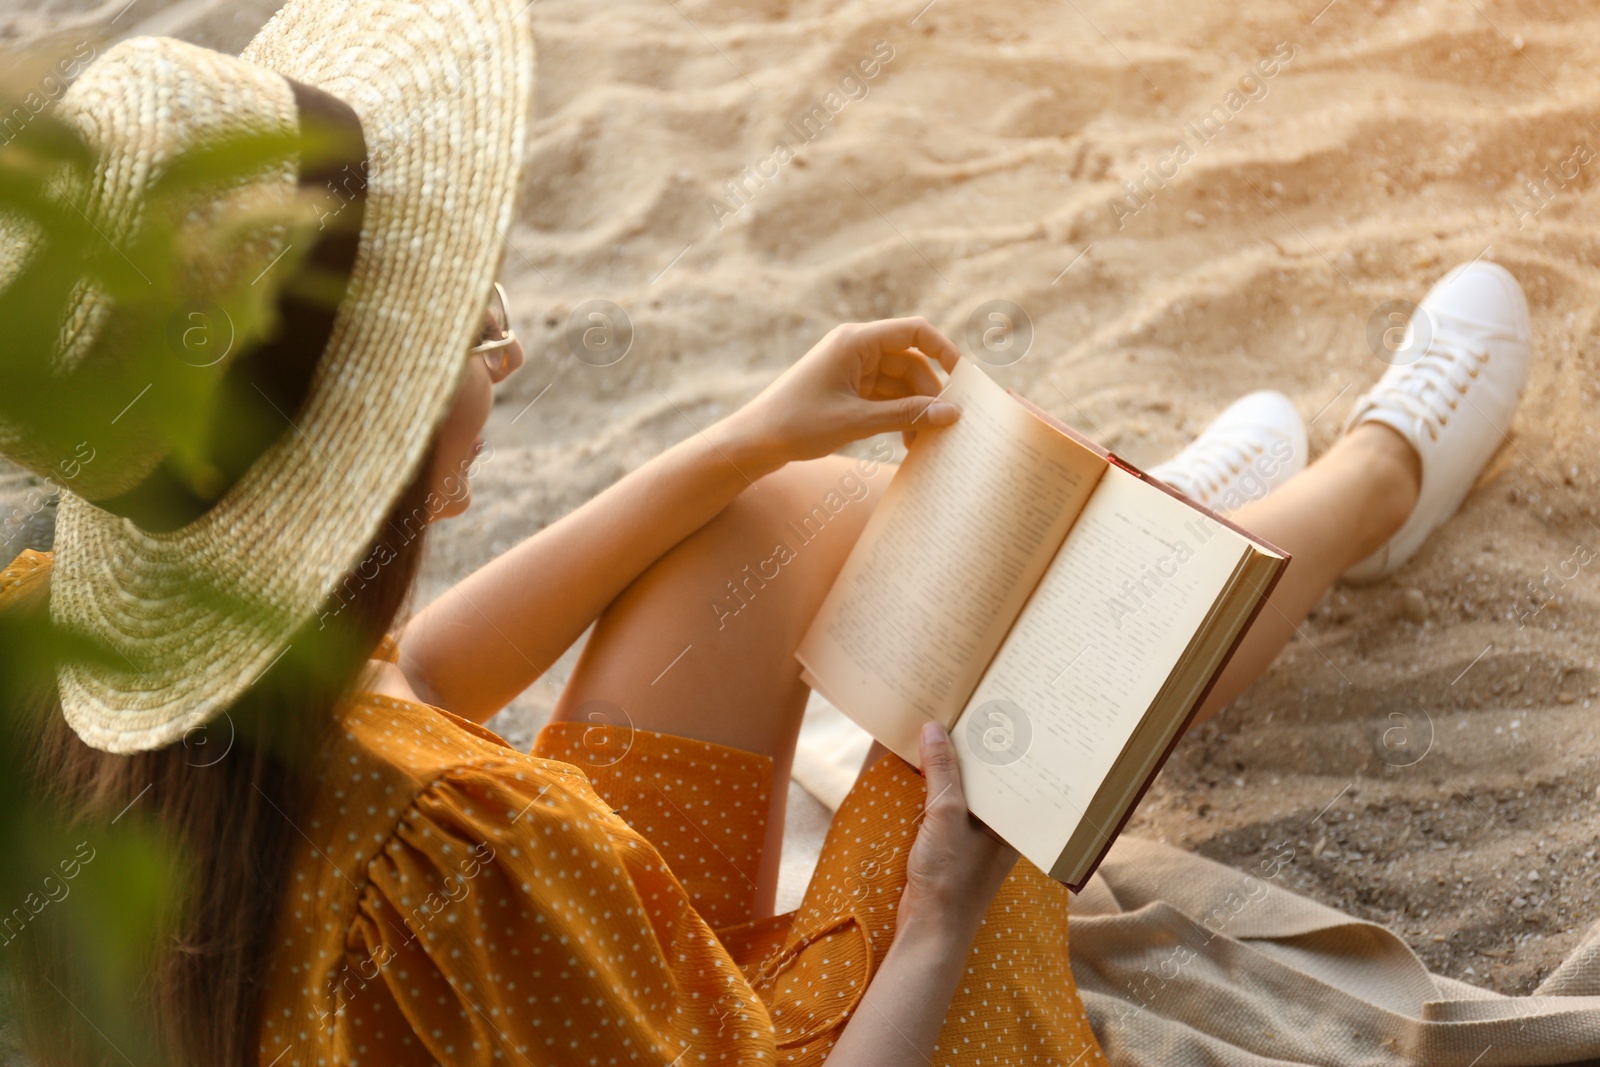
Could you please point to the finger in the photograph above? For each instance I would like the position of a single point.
(940, 768)
(911, 367)
(889, 389)
(897, 335)
(910, 413)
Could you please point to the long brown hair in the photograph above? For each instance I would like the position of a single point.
(231, 819)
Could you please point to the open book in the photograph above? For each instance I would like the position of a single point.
(1062, 614)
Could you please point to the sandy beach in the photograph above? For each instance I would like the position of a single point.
(1186, 201)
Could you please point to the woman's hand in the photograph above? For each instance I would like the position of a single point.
(861, 379)
(956, 863)
(954, 870)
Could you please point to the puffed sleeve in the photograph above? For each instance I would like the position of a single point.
(513, 917)
(24, 578)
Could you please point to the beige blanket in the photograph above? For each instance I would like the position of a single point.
(1182, 961)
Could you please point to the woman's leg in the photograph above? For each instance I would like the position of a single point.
(702, 644)
(1329, 517)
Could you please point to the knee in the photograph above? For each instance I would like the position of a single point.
(804, 501)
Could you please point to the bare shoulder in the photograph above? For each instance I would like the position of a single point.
(386, 679)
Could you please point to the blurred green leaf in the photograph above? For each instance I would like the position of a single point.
(117, 902)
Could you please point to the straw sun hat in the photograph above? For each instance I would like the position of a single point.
(434, 98)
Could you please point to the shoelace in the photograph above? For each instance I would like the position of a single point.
(1210, 463)
(1431, 389)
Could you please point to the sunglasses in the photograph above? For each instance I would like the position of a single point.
(497, 336)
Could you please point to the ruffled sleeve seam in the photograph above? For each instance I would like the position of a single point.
(486, 763)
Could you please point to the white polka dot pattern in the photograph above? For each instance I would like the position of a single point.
(458, 902)
(463, 903)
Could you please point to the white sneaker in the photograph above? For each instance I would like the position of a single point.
(1253, 447)
(1454, 401)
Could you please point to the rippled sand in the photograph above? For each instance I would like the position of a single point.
(1188, 201)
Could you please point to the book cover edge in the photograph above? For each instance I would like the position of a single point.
(1283, 559)
(1183, 727)
(1283, 564)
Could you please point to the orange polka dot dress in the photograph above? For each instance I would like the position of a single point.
(459, 902)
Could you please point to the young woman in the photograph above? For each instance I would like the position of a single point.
(377, 878)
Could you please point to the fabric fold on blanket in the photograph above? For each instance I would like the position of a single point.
(1183, 961)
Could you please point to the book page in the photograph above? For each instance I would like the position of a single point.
(944, 565)
(1109, 621)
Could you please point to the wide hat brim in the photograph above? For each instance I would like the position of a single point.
(444, 91)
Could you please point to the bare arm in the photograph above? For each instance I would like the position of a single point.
(898, 1019)
(492, 635)
(955, 868)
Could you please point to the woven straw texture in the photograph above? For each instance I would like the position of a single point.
(444, 91)
(145, 104)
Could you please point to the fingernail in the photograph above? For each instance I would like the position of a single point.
(932, 734)
(943, 413)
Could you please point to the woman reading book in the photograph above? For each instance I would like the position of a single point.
(375, 876)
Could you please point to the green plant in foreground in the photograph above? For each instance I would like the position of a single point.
(102, 889)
